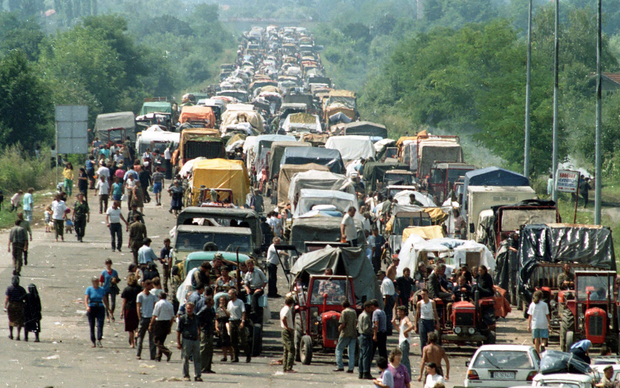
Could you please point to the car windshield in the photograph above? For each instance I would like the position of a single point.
(597, 286)
(333, 288)
(191, 242)
(503, 359)
(557, 385)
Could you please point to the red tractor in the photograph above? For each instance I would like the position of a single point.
(472, 321)
(590, 311)
(317, 312)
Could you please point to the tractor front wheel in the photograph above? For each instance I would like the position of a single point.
(566, 325)
(306, 350)
(297, 338)
(570, 339)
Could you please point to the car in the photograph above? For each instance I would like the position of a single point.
(192, 238)
(564, 380)
(501, 366)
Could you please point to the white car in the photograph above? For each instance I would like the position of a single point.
(500, 366)
(564, 380)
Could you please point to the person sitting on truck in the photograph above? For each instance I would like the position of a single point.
(566, 280)
(435, 290)
(485, 282)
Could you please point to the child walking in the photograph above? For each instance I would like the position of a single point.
(222, 315)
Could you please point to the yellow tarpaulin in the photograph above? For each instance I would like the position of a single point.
(221, 174)
(405, 138)
(426, 232)
(437, 215)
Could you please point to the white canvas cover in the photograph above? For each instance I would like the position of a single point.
(381, 144)
(238, 113)
(188, 167)
(107, 121)
(352, 147)
(154, 134)
(402, 198)
(321, 180)
(308, 198)
(293, 124)
(454, 252)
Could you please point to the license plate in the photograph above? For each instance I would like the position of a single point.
(504, 375)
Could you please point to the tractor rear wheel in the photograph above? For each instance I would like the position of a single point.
(570, 339)
(306, 350)
(567, 324)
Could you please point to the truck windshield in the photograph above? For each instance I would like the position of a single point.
(192, 242)
(598, 287)
(333, 288)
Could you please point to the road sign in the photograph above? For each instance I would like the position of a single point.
(567, 181)
(72, 129)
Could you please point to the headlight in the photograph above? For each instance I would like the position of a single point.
(471, 330)
(457, 330)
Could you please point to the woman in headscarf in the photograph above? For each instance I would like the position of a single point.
(580, 349)
(14, 305)
(32, 313)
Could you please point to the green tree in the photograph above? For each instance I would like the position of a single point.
(25, 103)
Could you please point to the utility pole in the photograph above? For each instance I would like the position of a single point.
(556, 49)
(526, 151)
(598, 185)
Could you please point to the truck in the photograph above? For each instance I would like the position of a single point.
(443, 177)
(422, 153)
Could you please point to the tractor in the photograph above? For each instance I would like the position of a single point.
(590, 311)
(317, 313)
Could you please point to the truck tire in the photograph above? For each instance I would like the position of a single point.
(567, 324)
(306, 350)
(570, 339)
(297, 337)
(491, 338)
(257, 339)
(613, 342)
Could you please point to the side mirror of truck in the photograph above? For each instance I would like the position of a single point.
(472, 228)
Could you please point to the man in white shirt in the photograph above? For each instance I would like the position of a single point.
(167, 159)
(113, 219)
(161, 323)
(145, 303)
(388, 291)
(286, 322)
(272, 268)
(255, 282)
(348, 231)
(104, 171)
(238, 338)
(103, 189)
(145, 253)
(58, 215)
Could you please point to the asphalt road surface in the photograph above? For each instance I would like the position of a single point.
(64, 357)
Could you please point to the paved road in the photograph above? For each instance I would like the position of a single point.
(62, 271)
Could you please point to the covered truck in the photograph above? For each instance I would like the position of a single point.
(365, 128)
(155, 138)
(277, 150)
(114, 127)
(220, 174)
(352, 147)
(425, 151)
(316, 203)
(198, 114)
(287, 172)
(241, 113)
(375, 172)
(301, 123)
(323, 156)
(320, 180)
(319, 229)
(200, 142)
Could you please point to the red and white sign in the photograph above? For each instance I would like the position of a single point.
(567, 181)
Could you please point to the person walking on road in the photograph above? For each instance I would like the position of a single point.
(398, 370)
(96, 307)
(28, 204)
(26, 225)
(159, 180)
(82, 182)
(59, 215)
(222, 315)
(432, 377)
(237, 314)
(161, 324)
(347, 338)
(538, 319)
(286, 322)
(129, 311)
(388, 291)
(188, 339)
(109, 280)
(272, 268)
(386, 380)
(404, 340)
(14, 306)
(103, 190)
(81, 216)
(426, 318)
(137, 234)
(348, 231)
(32, 313)
(146, 254)
(206, 315)
(18, 239)
(145, 303)
(379, 330)
(364, 328)
(176, 194)
(113, 219)
(166, 262)
(433, 353)
(68, 173)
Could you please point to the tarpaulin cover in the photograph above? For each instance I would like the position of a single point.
(154, 134)
(554, 361)
(287, 172)
(374, 171)
(277, 150)
(319, 229)
(454, 251)
(403, 198)
(320, 180)
(365, 128)
(556, 243)
(343, 261)
(312, 197)
(426, 232)
(304, 155)
(155, 106)
(314, 138)
(221, 174)
(263, 146)
(339, 118)
(492, 176)
(403, 139)
(352, 147)
(238, 113)
(108, 121)
(198, 113)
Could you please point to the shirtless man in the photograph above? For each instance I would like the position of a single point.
(433, 353)
(391, 270)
